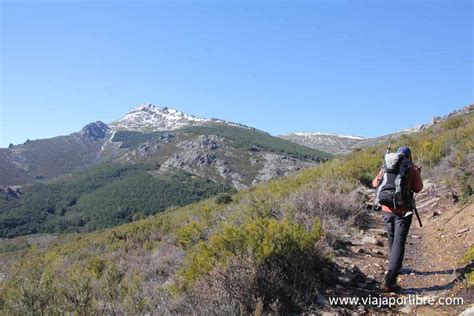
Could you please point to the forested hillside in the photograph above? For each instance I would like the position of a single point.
(256, 140)
(103, 196)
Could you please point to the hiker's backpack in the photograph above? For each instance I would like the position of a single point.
(393, 190)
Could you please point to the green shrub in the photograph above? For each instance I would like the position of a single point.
(33, 290)
(260, 239)
(223, 198)
(263, 265)
(453, 123)
(468, 258)
(77, 290)
(190, 234)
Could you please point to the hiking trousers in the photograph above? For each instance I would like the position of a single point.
(397, 230)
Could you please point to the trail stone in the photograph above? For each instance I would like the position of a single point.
(468, 312)
(462, 231)
(406, 309)
(378, 252)
(370, 240)
(345, 280)
(378, 231)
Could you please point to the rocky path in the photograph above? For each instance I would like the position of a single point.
(433, 267)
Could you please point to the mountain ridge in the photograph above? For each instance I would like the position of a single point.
(152, 118)
(48, 158)
(343, 144)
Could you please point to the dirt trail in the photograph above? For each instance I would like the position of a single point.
(432, 267)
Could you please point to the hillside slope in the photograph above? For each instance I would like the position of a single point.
(331, 143)
(224, 153)
(48, 158)
(276, 247)
(341, 144)
(102, 196)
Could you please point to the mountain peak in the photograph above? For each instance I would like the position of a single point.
(95, 130)
(149, 118)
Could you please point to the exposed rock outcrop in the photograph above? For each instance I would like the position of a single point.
(96, 130)
(11, 193)
(277, 166)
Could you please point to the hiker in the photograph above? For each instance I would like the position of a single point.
(396, 182)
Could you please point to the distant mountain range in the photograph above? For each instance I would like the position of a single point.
(221, 150)
(343, 144)
(332, 143)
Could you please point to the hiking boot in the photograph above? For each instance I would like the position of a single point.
(391, 288)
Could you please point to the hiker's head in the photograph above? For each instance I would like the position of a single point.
(406, 151)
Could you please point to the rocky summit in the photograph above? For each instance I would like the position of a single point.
(95, 130)
(151, 118)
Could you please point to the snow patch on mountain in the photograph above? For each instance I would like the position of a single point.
(150, 118)
(310, 134)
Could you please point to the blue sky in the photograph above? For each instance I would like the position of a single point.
(361, 68)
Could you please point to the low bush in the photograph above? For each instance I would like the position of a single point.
(340, 205)
(223, 198)
(468, 259)
(190, 234)
(256, 262)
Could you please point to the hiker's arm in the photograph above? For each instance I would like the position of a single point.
(417, 184)
(377, 179)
